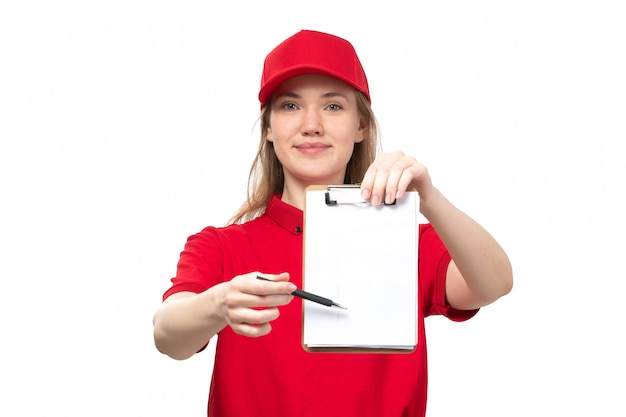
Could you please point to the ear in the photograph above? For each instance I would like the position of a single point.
(360, 133)
(268, 135)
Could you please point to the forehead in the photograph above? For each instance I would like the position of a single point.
(323, 83)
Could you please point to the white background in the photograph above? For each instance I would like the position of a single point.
(126, 126)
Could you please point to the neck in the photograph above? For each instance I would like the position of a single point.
(294, 188)
(293, 194)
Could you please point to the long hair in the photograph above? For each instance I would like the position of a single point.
(266, 174)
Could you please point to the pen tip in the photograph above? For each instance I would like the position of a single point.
(339, 305)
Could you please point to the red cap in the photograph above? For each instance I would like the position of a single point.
(311, 52)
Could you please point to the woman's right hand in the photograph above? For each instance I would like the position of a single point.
(248, 304)
(186, 321)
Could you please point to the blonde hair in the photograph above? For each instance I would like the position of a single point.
(266, 174)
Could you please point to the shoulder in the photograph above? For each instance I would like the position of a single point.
(230, 231)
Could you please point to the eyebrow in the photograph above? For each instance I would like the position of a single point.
(330, 94)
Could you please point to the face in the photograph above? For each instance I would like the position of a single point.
(314, 124)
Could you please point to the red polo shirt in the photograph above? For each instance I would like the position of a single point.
(273, 375)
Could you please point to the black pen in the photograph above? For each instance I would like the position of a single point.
(311, 297)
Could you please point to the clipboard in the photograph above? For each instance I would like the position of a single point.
(365, 258)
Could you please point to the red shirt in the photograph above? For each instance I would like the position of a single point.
(273, 375)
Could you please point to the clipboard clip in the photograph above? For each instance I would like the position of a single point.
(346, 194)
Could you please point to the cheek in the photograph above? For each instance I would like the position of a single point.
(281, 130)
(353, 136)
(280, 148)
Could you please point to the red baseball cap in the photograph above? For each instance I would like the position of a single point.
(312, 52)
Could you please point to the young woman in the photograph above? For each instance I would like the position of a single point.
(317, 127)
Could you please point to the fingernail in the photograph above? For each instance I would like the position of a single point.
(375, 200)
(365, 193)
(291, 287)
(388, 198)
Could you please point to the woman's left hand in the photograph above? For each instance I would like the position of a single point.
(390, 175)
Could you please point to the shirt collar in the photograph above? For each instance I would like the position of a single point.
(286, 216)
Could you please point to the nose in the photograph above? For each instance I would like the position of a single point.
(312, 123)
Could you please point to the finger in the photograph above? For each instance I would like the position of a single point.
(236, 300)
(412, 177)
(252, 322)
(402, 174)
(254, 316)
(267, 284)
(247, 293)
(250, 330)
(415, 177)
(368, 180)
(284, 276)
(393, 186)
(271, 284)
(403, 183)
(382, 179)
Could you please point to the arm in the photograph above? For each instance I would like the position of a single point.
(186, 321)
(480, 271)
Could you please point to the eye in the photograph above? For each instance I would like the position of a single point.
(334, 107)
(288, 106)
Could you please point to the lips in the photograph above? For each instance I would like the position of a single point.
(312, 148)
(312, 145)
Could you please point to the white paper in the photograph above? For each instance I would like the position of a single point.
(363, 257)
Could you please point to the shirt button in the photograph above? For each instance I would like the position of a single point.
(298, 229)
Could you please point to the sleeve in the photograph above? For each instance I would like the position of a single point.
(201, 263)
(433, 261)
